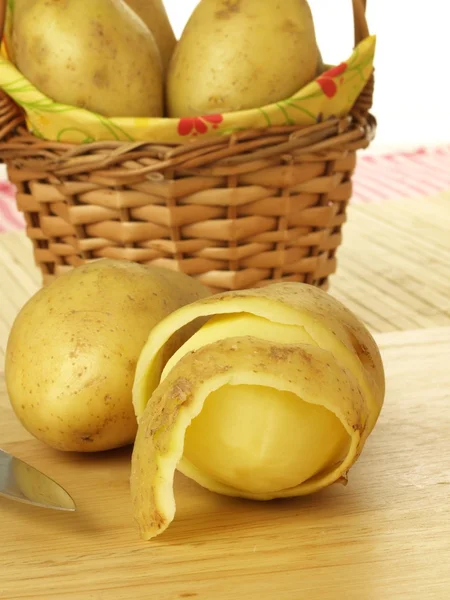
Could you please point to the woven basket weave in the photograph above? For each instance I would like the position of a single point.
(235, 211)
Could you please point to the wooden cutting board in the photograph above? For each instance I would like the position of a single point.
(385, 536)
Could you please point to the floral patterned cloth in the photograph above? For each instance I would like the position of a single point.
(332, 94)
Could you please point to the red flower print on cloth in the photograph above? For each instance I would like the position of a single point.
(198, 125)
(326, 80)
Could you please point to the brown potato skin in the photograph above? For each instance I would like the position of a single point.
(93, 54)
(241, 54)
(154, 15)
(73, 348)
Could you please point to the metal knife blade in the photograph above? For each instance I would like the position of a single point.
(19, 481)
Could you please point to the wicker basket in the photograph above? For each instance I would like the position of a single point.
(236, 211)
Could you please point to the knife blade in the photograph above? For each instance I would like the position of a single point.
(21, 482)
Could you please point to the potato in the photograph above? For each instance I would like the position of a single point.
(274, 396)
(315, 316)
(240, 54)
(154, 15)
(73, 348)
(94, 54)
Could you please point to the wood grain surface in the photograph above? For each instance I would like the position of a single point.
(386, 536)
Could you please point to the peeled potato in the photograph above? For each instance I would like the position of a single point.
(181, 398)
(255, 438)
(273, 396)
(323, 318)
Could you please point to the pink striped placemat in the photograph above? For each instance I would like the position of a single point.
(10, 218)
(413, 174)
(408, 174)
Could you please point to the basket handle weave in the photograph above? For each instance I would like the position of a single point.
(2, 16)
(359, 17)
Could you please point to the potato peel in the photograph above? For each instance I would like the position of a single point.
(286, 336)
(331, 325)
(306, 370)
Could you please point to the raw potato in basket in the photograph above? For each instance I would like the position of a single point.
(274, 396)
(235, 55)
(93, 54)
(154, 15)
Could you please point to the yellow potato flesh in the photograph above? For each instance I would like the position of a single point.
(253, 438)
(262, 440)
(238, 324)
(304, 371)
(280, 380)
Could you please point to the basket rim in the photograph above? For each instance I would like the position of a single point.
(120, 160)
